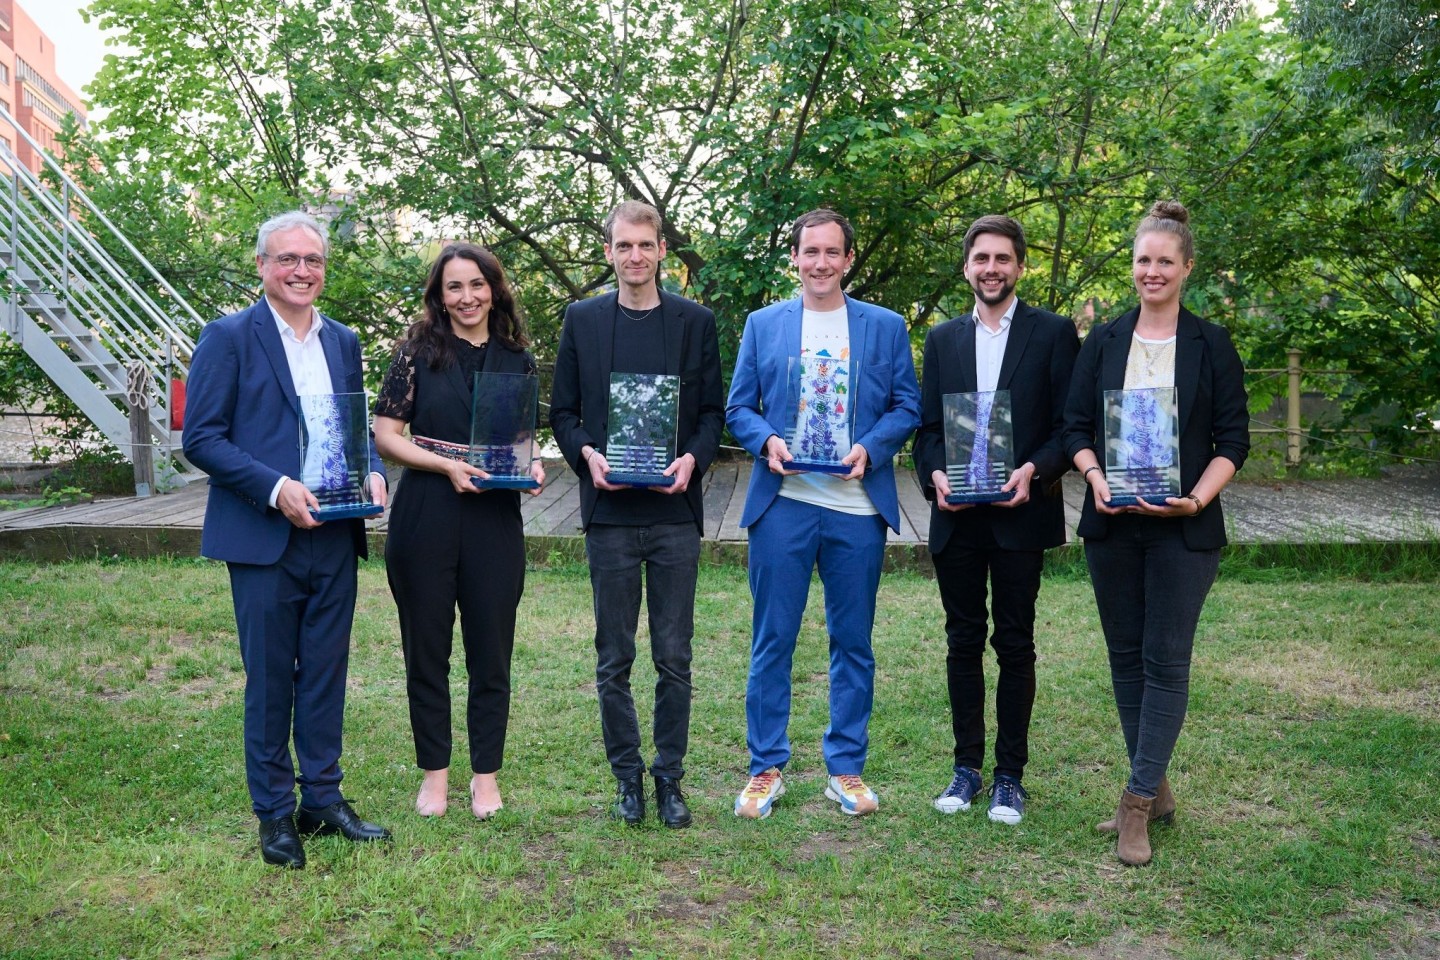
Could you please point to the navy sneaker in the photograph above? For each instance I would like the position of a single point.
(964, 788)
(1007, 800)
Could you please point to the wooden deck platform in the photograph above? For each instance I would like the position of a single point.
(1403, 506)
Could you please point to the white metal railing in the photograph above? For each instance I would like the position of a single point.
(62, 277)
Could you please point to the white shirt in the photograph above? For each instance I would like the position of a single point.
(308, 369)
(829, 330)
(990, 348)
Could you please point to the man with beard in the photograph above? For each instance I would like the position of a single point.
(1004, 345)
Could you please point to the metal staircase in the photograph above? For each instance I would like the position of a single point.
(79, 315)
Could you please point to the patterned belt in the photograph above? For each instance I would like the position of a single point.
(451, 451)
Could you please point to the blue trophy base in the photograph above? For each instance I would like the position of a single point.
(995, 496)
(505, 483)
(344, 511)
(1133, 499)
(815, 466)
(639, 479)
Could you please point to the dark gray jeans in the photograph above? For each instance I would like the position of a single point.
(670, 556)
(1149, 588)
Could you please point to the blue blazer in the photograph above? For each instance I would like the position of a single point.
(242, 427)
(884, 396)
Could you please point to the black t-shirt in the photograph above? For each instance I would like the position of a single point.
(639, 347)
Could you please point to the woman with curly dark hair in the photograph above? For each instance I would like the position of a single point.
(449, 542)
(1153, 563)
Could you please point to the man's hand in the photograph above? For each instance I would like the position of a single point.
(599, 469)
(857, 460)
(1019, 482)
(681, 469)
(296, 502)
(777, 454)
(379, 494)
(942, 490)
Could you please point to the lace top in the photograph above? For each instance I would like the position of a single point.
(397, 392)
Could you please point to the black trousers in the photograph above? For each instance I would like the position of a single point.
(963, 569)
(446, 550)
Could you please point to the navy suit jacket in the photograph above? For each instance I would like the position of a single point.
(580, 395)
(1213, 409)
(242, 427)
(885, 399)
(1036, 368)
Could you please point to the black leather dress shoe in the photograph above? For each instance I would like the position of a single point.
(339, 818)
(670, 803)
(630, 801)
(280, 843)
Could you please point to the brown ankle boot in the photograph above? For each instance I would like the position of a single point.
(1133, 847)
(1163, 810)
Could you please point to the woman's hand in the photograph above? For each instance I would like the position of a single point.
(460, 473)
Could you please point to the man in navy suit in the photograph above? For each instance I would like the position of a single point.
(1004, 345)
(292, 578)
(640, 329)
(798, 520)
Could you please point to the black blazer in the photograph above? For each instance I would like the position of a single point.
(1039, 356)
(442, 411)
(1213, 409)
(580, 398)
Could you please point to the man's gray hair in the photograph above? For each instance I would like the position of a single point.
(289, 221)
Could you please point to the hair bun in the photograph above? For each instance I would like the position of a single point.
(1170, 210)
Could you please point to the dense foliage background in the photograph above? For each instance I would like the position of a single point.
(1304, 144)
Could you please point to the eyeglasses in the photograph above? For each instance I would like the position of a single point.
(289, 261)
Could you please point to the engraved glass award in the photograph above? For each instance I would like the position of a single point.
(644, 420)
(502, 430)
(979, 446)
(1142, 446)
(335, 454)
(817, 413)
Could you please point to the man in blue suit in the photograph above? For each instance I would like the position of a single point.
(292, 578)
(798, 520)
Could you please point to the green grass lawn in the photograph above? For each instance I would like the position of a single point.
(1309, 823)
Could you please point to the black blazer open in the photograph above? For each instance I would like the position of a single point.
(1039, 356)
(1210, 391)
(579, 401)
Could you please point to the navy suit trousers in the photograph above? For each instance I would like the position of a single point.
(294, 619)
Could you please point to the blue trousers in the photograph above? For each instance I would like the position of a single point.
(294, 620)
(787, 543)
(1149, 589)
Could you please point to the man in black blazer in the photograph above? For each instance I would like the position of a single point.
(1004, 345)
(640, 329)
(292, 577)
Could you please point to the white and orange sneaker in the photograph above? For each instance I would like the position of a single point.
(854, 797)
(760, 794)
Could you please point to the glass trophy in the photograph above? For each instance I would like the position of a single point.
(335, 454)
(644, 419)
(502, 430)
(1142, 446)
(817, 413)
(979, 446)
